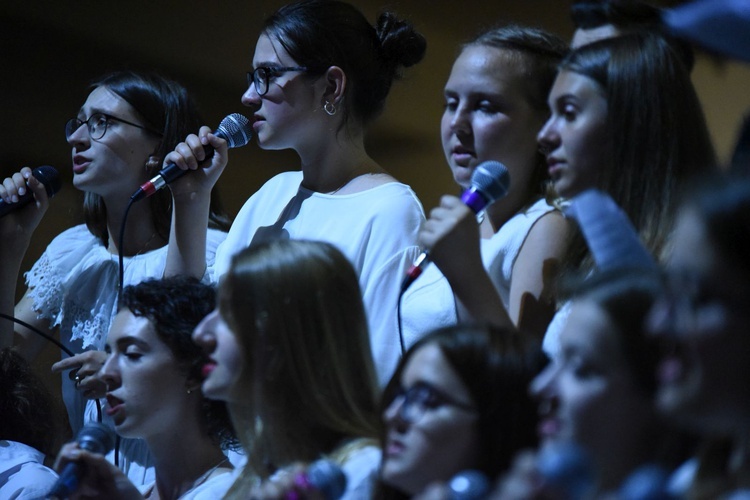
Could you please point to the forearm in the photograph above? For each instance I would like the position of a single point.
(187, 238)
(10, 267)
(477, 298)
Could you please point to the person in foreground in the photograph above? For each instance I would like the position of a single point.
(701, 323)
(458, 401)
(599, 424)
(289, 352)
(153, 378)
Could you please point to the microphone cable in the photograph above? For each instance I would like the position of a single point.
(58, 344)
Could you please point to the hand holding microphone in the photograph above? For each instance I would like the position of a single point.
(235, 129)
(85, 458)
(321, 480)
(452, 221)
(17, 185)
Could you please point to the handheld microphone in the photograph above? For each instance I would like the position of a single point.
(468, 485)
(567, 469)
(323, 476)
(49, 176)
(94, 437)
(489, 182)
(235, 129)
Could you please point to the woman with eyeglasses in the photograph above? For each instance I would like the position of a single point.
(118, 139)
(320, 76)
(289, 352)
(457, 401)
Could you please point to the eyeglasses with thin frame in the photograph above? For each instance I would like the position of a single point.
(420, 398)
(97, 125)
(261, 76)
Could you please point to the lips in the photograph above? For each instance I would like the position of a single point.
(80, 163)
(208, 368)
(114, 405)
(548, 428)
(461, 155)
(394, 447)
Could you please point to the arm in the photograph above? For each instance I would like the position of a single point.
(191, 198)
(531, 290)
(16, 229)
(451, 235)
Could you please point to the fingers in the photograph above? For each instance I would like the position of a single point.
(14, 187)
(85, 371)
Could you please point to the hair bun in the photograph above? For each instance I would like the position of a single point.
(400, 43)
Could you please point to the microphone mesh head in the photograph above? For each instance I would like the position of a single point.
(96, 437)
(50, 177)
(235, 129)
(327, 478)
(469, 485)
(491, 179)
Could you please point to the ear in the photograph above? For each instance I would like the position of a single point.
(335, 79)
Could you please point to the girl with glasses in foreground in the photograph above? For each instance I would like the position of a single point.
(458, 400)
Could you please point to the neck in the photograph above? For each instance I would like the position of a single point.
(140, 233)
(329, 167)
(502, 211)
(184, 462)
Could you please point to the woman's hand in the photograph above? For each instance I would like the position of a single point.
(191, 155)
(99, 478)
(85, 372)
(287, 484)
(17, 226)
(450, 235)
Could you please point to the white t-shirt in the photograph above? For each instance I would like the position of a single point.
(375, 229)
(22, 473)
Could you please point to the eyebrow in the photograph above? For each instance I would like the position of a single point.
(124, 342)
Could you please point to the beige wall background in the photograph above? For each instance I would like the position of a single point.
(51, 51)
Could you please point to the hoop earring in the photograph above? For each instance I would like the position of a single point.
(329, 108)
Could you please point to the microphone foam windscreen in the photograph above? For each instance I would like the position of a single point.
(50, 177)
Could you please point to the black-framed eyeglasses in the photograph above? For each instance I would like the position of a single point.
(261, 76)
(420, 398)
(97, 125)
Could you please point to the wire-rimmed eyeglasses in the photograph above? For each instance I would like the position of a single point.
(97, 125)
(418, 399)
(261, 76)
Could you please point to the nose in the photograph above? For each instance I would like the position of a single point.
(460, 121)
(542, 386)
(109, 373)
(79, 137)
(548, 138)
(392, 414)
(203, 335)
(251, 98)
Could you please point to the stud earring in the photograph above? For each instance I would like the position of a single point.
(152, 164)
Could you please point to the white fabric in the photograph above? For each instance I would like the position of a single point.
(375, 229)
(361, 470)
(74, 285)
(429, 302)
(212, 489)
(551, 341)
(22, 473)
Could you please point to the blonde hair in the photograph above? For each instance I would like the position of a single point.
(297, 311)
